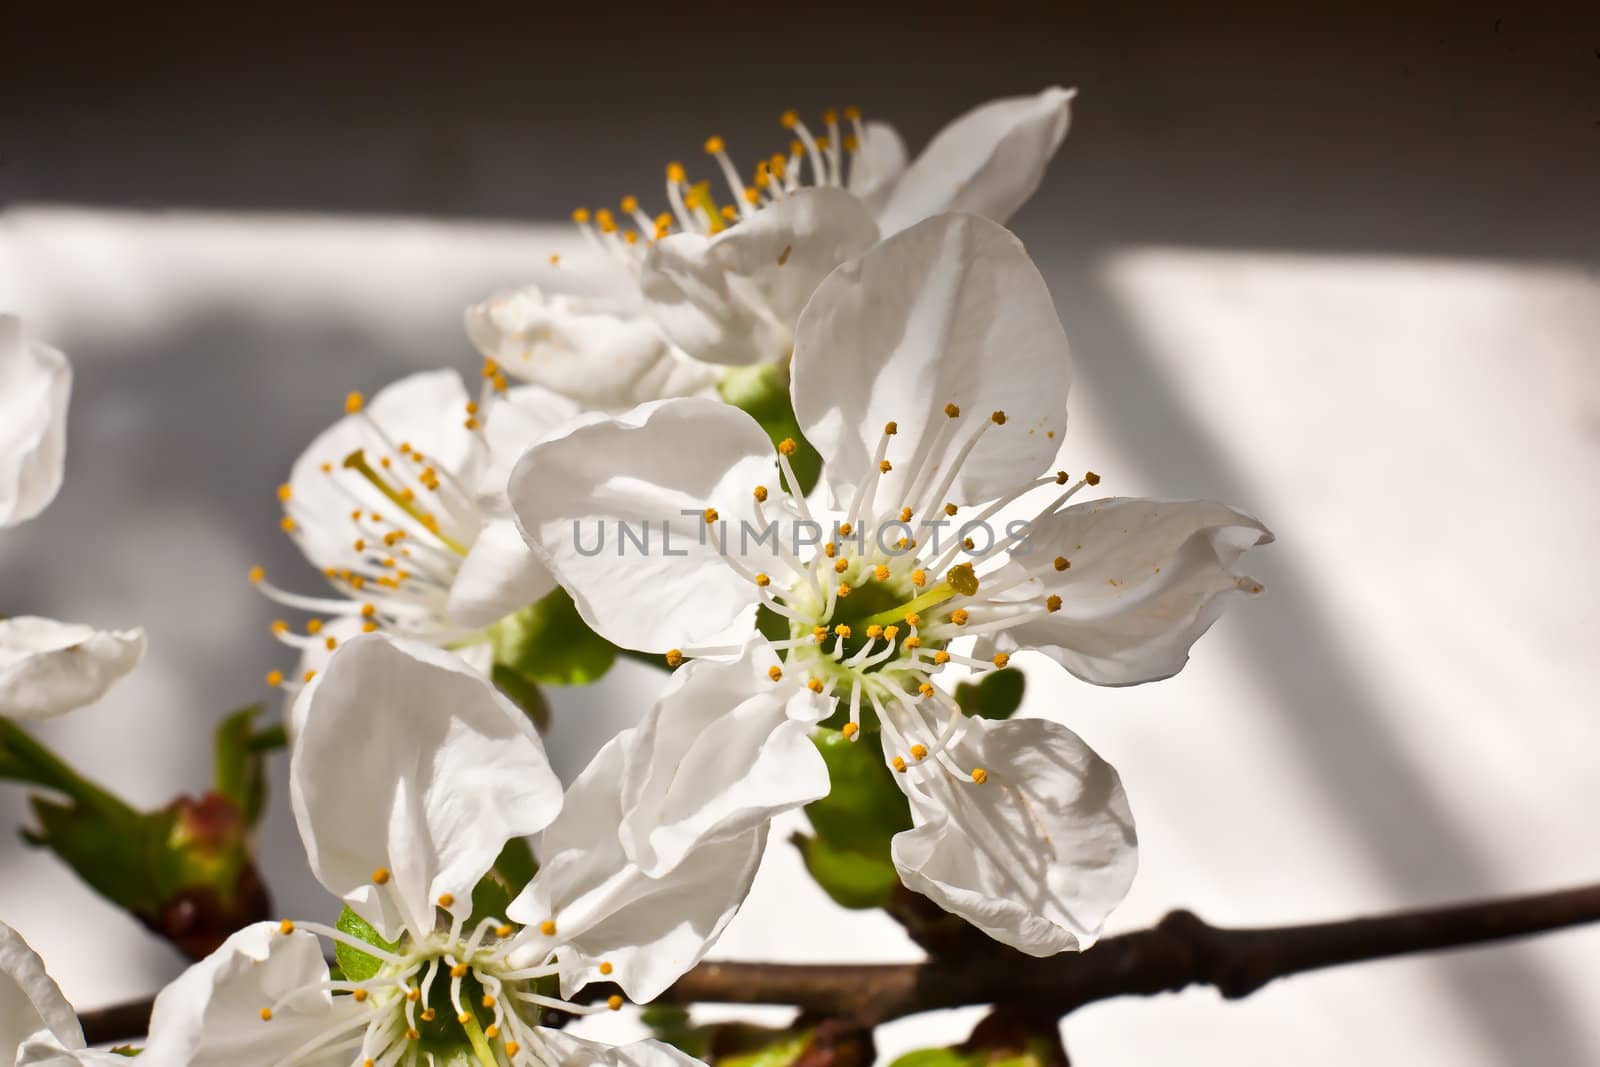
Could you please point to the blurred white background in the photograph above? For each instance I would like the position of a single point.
(1341, 275)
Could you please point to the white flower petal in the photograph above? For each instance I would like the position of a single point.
(501, 574)
(30, 1000)
(989, 161)
(950, 311)
(590, 349)
(35, 383)
(718, 755)
(1038, 855)
(733, 297)
(43, 1050)
(1146, 579)
(517, 420)
(651, 930)
(642, 470)
(410, 761)
(49, 667)
(877, 165)
(570, 1051)
(426, 411)
(210, 1016)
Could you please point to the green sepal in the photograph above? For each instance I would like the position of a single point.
(241, 772)
(762, 392)
(357, 965)
(549, 643)
(997, 695)
(849, 857)
(781, 1053)
(495, 891)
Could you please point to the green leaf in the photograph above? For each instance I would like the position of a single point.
(357, 965)
(853, 879)
(762, 392)
(241, 773)
(513, 870)
(864, 807)
(549, 643)
(997, 695)
(940, 1057)
(670, 1023)
(779, 1054)
(113, 848)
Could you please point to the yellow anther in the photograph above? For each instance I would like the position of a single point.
(676, 173)
(760, 493)
(413, 994)
(963, 579)
(630, 204)
(555, 259)
(851, 144)
(447, 900)
(286, 927)
(714, 145)
(458, 971)
(674, 657)
(428, 1015)
(471, 424)
(925, 690)
(287, 524)
(327, 468)
(819, 632)
(491, 1031)
(815, 685)
(413, 1034)
(841, 630)
(905, 514)
(606, 968)
(499, 383)
(913, 642)
(331, 643)
(980, 775)
(763, 580)
(919, 577)
(999, 418)
(711, 516)
(891, 632)
(891, 428)
(548, 928)
(752, 194)
(874, 632)
(359, 995)
(941, 657)
(952, 411)
(279, 626)
(504, 930)
(353, 403)
(884, 466)
(512, 1048)
(606, 221)
(285, 491)
(488, 1000)
(1052, 603)
(899, 765)
(266, 1015)
(274, 678)
(1062, 477)
(913, 619)
(919, 752)
(775, 673)
(314, 627)
(786, 446)
(631, 236)
(881, 572)
(830, 116)
(844, 590)
(614, 1002)
(950, 509)
(845, 529)
(840, 566)
(790, 119)
(580, 215)
(464, 1018)
(1092, 478)
(369, 610)
(369, 627)
(1062, 563)
(849, 730)
(959, 617)
(823, 143)
(730, 213)
(1001, 659)
(830, 549)
(380, 876)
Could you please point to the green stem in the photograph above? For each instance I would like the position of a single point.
(24, 759)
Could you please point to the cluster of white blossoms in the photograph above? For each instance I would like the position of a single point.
(928, 369)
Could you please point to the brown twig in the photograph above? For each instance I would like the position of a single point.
(1180, 951)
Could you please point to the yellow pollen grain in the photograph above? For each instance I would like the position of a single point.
(630, 204)
(310, 675)
(891, 428)
(369, 610)
(899, 765)
(458, 971)
(274, 678)
(905, 514)
(674, 657)
(815, 685)
(512, 1048)
(752, 194)
(926, 690)
(413, 994)
(881, 572)
(676, 173)
(1052, 603)
(286, 524)
(606, 968)
(830, 116)
(1001, 659)
(555, 259)
(548, 928)
(819, 632)
(787, 446)
(1062, 477)
(874, 631)
(266, 1015)
(286, 927)
(488, 1000)
(999, 418)
(790, 119)
(968, 543)
(849, 730)
(314, 627)
(580, 214)
(891, 632)
(327, 468)
(353, 403)
(980, 775)
(359, 995)
(919, 577)
(913, 619)
(941, 657)
(950, 509)
(844, 590)
(464, 1017)
(279, 626)
(760, 493)
(332, 643)
(830, 549)
(614, 1002)
(763, 580)
(428, 1015)
(845, 529)
(1061, 563)
(491, 1031)
(714, 145)
(913, 642)
(952, 411)
(853, 113)
(711, 516)
(447, 900)
(775, 673)
(841, 630)
(369, 627)
(504, 930)
(413, 1034)
(959, 617)
(285, 491)
(1092, 478)
(840, 566)
(884, 467)
(919, 753)
(380, 876)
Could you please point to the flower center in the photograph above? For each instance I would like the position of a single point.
(872, 615)
(812, 159)
(443, 994)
